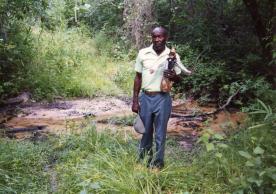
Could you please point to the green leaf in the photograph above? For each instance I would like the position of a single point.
(222, 145)
(218, 136)
(95, 185)
(258, 150)
(205, 137)
(254, 180)
(258, 161)
(273, 176)
(83, 192)
(219, 155)
(249, 163)
(210, 146)
(239, 192)
(245, 154)
(262, 173)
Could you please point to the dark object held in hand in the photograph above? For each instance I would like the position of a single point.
(172, 59)
(166, 82)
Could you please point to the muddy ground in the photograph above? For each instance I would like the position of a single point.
(28, 119)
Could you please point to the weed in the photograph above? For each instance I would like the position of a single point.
(22, 167)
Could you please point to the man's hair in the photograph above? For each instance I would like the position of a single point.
(164, 30)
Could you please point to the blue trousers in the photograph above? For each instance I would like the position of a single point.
(155, 112)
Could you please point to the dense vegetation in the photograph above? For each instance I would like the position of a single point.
(45, 45)
(68, 48)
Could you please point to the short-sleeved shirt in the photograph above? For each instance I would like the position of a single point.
(152, 66)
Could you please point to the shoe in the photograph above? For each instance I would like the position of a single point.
(156, 165)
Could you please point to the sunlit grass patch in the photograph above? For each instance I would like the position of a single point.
(68, 63)
(106, 163)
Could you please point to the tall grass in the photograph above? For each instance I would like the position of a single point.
(22, 167)
(106, 163)
(70, 63)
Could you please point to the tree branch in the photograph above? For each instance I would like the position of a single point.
(201, 116)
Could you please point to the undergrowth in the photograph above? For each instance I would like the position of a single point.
(22, 167)
(94, 162)
(69, 63)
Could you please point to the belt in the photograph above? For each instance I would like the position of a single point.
(153, 93)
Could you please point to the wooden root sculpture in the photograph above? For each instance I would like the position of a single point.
(166, 84)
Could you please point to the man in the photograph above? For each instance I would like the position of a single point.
(154, 106)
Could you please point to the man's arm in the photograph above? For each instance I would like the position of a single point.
(136, 90)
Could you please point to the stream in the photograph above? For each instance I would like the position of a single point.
(70, 116)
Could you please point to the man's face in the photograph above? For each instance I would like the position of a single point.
(159, 39)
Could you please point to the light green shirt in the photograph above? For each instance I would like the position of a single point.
(152, 67)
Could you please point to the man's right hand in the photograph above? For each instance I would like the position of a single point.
(135, 106)
(136, 89)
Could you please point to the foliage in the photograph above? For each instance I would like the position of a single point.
(16, 18)
(124, 78)
(22, 167)
(62, 67)
(212, 81)
(103, 162)
(108, 47)
(252, 148)
(227, 50)
(67, 63)
(120, 120)
(54, 16)
(15, 54)
(105, 14)
(47, 63)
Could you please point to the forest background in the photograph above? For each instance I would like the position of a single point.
(87, 48)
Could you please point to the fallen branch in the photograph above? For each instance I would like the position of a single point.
(179, 115)
(22, 98)
(26, 129)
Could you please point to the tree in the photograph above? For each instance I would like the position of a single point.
(264, 31)
(139, 19)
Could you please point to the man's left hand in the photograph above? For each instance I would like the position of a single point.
(170, 74)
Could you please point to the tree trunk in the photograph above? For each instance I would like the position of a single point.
(138, 17)
(264, 32)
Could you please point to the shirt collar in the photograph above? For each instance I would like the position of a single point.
(165, 52)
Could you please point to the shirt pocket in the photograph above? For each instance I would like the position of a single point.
(148, 62)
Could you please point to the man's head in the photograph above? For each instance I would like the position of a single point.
(159, 37)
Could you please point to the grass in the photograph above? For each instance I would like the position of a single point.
(120, 120)
(105, 162)
(22, 167)
(71, 63)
